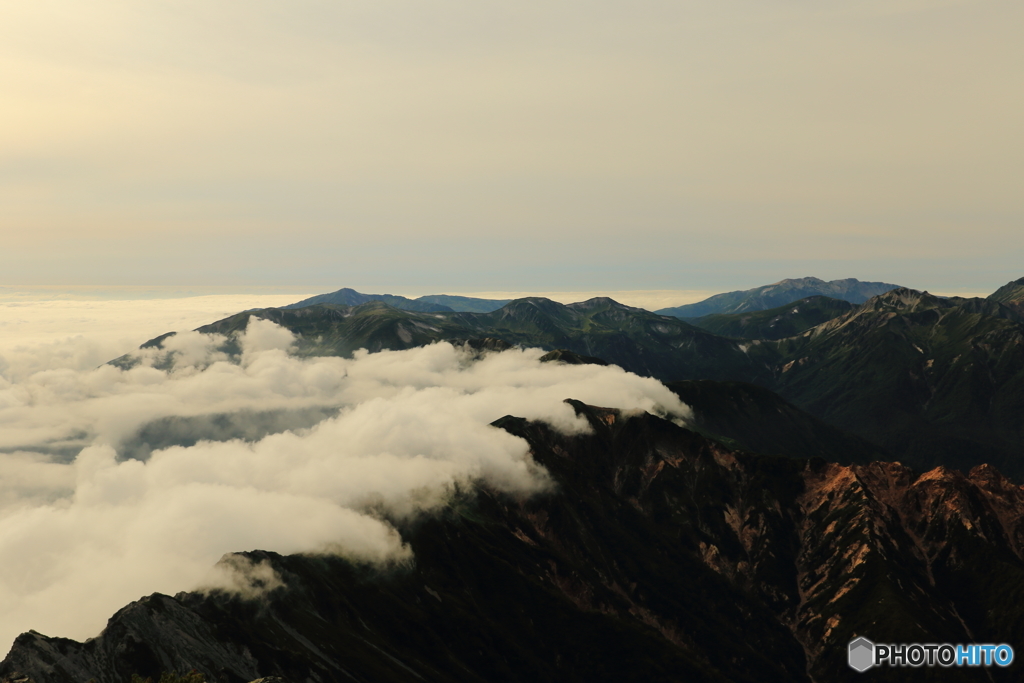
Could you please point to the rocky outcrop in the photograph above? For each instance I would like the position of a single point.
(662, 555)
(1011, 294)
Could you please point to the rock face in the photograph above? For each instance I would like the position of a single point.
(660, 556)
(1011, 294)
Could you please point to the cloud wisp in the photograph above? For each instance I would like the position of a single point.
(86, 528)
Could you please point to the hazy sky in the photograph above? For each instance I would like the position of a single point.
(460, 145)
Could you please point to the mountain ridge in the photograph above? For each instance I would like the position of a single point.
(660, 555)
(932, 380)
(774, 323)
(780, 293)
(424, 304)
(1011, 294)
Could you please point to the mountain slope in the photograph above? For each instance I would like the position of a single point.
(659, 556)
(753, 418)
(465, 304)
(774, 323)
(1011, 294)
(350, 297)
(635, 339)
(780, 293)
(932, 380)
(424, 304)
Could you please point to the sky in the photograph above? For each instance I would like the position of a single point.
(466, 146)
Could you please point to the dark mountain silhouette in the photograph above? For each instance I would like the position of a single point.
(660, 555)
(752, 546)
(931, 380)
(637, 340)
(752, 418)
(774, 323)
(934, 381)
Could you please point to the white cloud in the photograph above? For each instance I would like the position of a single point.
(45, 329)
(84, 536)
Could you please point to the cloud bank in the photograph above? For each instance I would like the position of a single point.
(51, 328)
(84, 528)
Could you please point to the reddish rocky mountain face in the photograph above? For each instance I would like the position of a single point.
(661, 555)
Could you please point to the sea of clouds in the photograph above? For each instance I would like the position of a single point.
(92, 518)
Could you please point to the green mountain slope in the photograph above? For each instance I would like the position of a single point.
(774, 323)
(1011, 294)
(780, 294)
(930, 379)
(635, 339)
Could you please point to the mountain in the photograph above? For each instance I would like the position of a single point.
(932, 380)
(426, 304)
(465, 304)
(659, 555)
(780, 293)
(635, 339)
(1011, 294)
(774, 323)
(350, 297)
(752, 418)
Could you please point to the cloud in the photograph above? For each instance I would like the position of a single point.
(50, 328)
(270, 452)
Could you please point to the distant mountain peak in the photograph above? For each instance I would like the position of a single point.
(780, 293)
(805, 281)
(905, 298)
(600, 302)
(1011, 294)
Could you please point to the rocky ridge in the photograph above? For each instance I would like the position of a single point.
(661, 555)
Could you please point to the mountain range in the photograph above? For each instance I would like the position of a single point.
(660, 555)
(431, 302)
(780, 293)
(783, 321)
(935, 381)
(757, 299)
(848, 469)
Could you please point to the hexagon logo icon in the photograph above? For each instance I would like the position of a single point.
(861, 654)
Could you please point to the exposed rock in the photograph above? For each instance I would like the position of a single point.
(661, 556)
